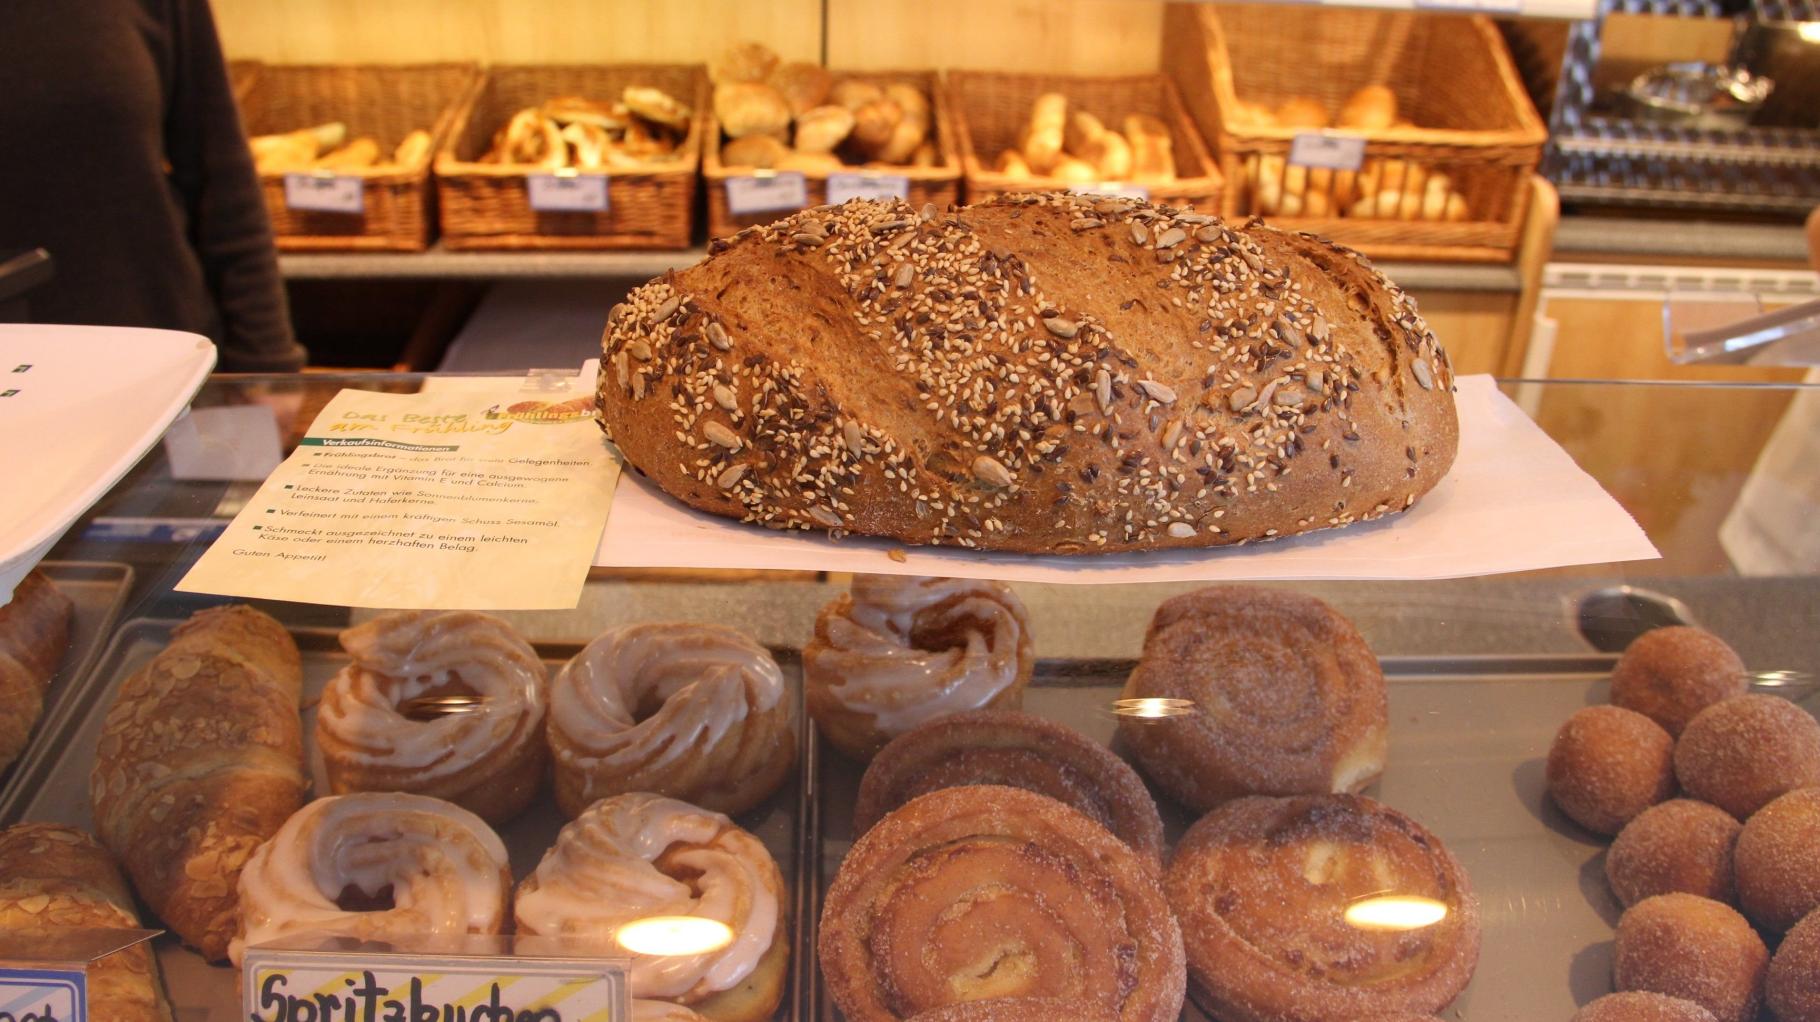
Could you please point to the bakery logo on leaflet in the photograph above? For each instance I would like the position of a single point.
(282, 987)
(546, 413)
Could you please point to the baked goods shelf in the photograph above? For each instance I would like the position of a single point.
(439, 263)
(1468, 737)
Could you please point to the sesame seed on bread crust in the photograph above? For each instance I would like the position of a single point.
(1041, 373)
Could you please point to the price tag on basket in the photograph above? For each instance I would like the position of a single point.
(44, 995)
(1115, 189)
(842, 187)
(1333, 152)
(325, 193)
(567, 192)
(767, 192)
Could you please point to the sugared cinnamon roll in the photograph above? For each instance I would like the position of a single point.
(1327, 908)
(637, 856)
(444, 869)
(489, 758)
(985, 892)
(1286, 698)
(900, 650)
(695, 712)
(1019, 751)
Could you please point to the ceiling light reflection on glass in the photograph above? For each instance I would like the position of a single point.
(1153, 708)
(1395, 912)
(674, 936)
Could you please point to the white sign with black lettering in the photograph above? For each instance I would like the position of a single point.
(1334, 152)
(325, 193)
(767, 193)
(44, 995)
(567, 193)
(842, 187)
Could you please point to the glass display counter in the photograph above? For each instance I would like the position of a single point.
(1481, 672)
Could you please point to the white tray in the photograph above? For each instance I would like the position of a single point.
(81, 405)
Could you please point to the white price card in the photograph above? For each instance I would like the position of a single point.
(842, 187)
(567, 193)
(767, 193)
(44, 995)
(325, 193)
(1116, 189)
(1334, 152)
(363, 984)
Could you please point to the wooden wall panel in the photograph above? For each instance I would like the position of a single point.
(1474, 326)
(512, 31)
(1058, 36)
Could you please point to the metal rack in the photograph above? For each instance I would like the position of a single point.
(1596, 157)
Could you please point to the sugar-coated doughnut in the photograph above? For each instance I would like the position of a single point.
(1263, 888)
(1642, 1006)
(1741, 753)
(1287, 698)
(1793, 986)
(1671, 674)
(1678, 846)
(1693, 948)
(1778, 861)
(1608, 764)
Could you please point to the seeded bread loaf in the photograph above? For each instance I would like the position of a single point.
(1042, 373)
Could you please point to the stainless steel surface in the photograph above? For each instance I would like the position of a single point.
(1469, 737)
(204, 993)
(1698, 95)
(97, 591)
(1610, 618)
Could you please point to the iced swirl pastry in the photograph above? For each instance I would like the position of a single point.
(445, 869)
(897, 651)
(692, 711)
(637, 856)
(489, 759)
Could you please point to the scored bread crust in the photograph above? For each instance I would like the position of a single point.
(1041, 373)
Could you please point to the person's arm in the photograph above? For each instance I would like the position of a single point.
(213, 171)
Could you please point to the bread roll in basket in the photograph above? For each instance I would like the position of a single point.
(1041, 373)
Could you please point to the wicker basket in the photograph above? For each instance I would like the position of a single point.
(940, 184)
(990, 109)
(488, 205)
(385, 102)
(1452, 75)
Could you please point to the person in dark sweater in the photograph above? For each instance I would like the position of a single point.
(122, 154)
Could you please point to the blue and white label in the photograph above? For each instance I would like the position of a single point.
(1333, 152)
(43, 995)
(842, 187)
(767, 193)
(325, 193)
(567, 193)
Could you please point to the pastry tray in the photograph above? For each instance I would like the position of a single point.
(201, 992)
(1468, 739)
(97, 591)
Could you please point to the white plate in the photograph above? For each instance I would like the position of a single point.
(87, 402)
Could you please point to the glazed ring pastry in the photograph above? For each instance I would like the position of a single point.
(1287, 698)
(445, 869)
(900, 650)
(489, 759)
(1264, 888)
(635, 856)
(966, 894)
(1019, 1009)
(695, 712)
(1019, 751)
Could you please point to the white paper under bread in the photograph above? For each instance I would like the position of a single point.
(1514, 501)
